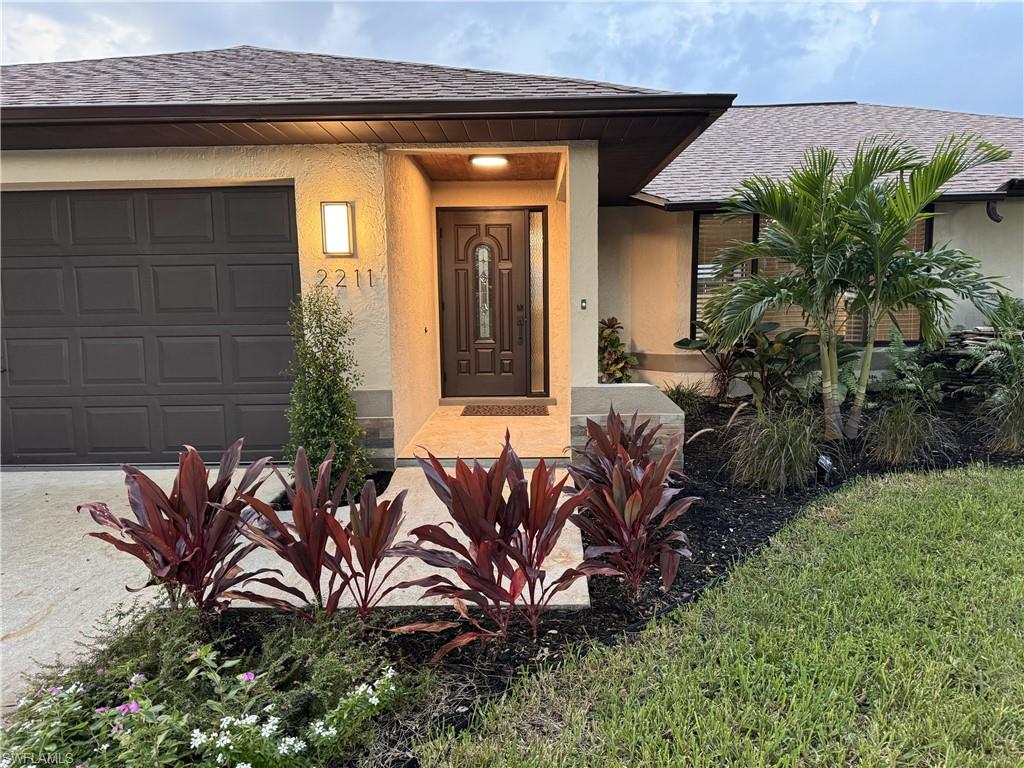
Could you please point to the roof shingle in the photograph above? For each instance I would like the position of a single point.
(251, 75)
(768, 140)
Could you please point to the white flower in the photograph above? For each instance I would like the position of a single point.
(223, 740)
(247, 720)
(269, 707)
(226, 721)
(374, 700)
(220, 758)
(21, 703)
(244, 765)
(389, 673)
(5, 762)
(269, 727)
(104, 746)
(290, 745)
(199, 738)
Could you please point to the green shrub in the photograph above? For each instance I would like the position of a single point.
(162, 689)
(907, 431)
(775, 450)
(324, 375)
(615, 363)
(690, 397)
(999, 366)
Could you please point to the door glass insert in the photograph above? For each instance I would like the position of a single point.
(483, 257)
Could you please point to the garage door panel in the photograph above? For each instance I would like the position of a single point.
(44, 432)
(259, 216)
(117, 429)
(39, 362)
(261, 287)
(180, 217)
(29, 292)
(262, 424)
(201, 426)
(109, 290)
(113, 360)
(190, 359)
(102, 218)
(31, 220)
(261, 358)
(138, 320)
(181, 288)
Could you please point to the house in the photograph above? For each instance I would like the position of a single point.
(677, 232)
(160, 212)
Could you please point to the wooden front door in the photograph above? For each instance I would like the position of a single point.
(484, 302)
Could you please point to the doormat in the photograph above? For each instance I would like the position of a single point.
(505, 410)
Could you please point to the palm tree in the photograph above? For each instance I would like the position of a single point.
(888, 276)
(842, 232)
(802, 225)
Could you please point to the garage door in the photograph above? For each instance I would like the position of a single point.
(138, 320)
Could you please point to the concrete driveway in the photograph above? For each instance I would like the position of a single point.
(56, 582)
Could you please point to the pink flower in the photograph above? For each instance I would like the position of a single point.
(102, 710)
(56, 691)
(248, 677)
(128, 709)
(136, 680)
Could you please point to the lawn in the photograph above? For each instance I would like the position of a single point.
(884, 627)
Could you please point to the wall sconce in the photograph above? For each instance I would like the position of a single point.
(339, 229)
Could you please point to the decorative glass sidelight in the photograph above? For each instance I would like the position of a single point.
(538, 308)
(484, 259)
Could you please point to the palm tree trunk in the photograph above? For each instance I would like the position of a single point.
(853, 423)
(833, 426)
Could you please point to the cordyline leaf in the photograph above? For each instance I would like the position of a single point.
(463, 639)
(424, 626)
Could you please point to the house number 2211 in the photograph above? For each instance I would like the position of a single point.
(340, 278)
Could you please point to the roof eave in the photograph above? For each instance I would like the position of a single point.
(1012, 188)
(568, 106)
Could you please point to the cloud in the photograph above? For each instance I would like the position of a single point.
(30, 36)
(764, 51)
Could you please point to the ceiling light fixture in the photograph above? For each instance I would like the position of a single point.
(489, 161)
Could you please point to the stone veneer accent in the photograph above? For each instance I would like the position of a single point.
(374, 409)
(646, 400)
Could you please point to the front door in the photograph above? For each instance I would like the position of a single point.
(484, 302)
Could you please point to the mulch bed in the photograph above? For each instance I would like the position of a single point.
(728, 524)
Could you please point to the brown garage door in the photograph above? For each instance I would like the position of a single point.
(138, 320)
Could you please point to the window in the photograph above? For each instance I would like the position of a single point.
(482, 255)
(712, 233)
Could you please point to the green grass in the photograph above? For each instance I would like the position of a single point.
(883, 628)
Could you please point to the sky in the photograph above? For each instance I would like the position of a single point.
(963, 56)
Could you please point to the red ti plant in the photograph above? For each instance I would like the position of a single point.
(627, 519)
(501, 568)
(634, 442)
(316, 544)
(535, 539)
(189, 540)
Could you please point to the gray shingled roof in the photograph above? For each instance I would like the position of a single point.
(251, 75)
(768, 140)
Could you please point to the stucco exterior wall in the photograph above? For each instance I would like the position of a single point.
(646, 271)
(999, 247)
(581, 198)
(412, 295)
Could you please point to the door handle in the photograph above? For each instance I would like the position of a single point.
(521, 322)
